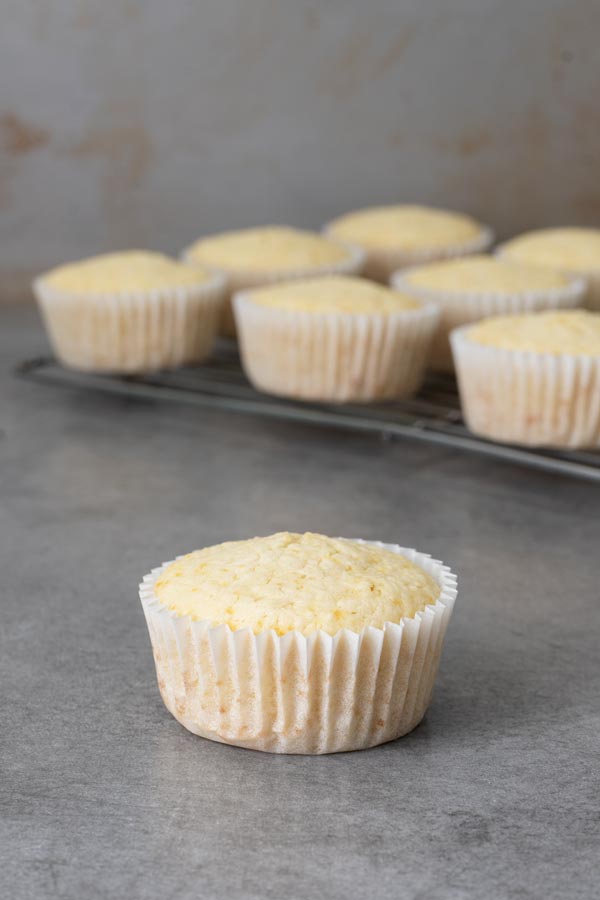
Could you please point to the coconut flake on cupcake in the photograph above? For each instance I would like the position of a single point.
(257, 256)
(394, 237)
(334, 339)
(298, 643)
(532, 379)
(476, 287)
(132, 311)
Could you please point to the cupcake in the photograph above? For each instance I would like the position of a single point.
(334, 339)
(298, 643)
(532, 379)
(394, 237)
(130, 312)
(476, 287)
(260, 256)
(575, 251)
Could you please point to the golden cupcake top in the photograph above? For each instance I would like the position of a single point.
(577, 249)
(484, 275)
(129, 271)
(300, 582)
(405, 227)
(336, 294)
(271, 249)
(573, 332)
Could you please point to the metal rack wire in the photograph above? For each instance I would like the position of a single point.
(433, 416)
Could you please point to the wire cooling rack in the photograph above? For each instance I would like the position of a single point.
(433, 416)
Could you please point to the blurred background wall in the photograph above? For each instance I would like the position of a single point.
(128, 123)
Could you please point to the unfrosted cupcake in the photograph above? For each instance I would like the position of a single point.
(259, 256)
(476, 287)
(334, 339)
(298, 643)
(130, 312)
(575, 251)
(394, 237)
(532, 379)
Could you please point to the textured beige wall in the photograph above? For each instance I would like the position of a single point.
(129, 123)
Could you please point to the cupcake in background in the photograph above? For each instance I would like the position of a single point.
(259, 256)
(575, 251)
(477, 287)
(532, 379)
(394, 237)
(298, 643)
(130, 312)
(335, 339)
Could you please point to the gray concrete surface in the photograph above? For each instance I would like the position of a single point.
(104, 795)
(140, 122)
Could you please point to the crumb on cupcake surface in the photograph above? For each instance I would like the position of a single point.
(128, 271)
(577, 249)
(340, 294)
(405, 227)
(574, 332)
(267, 249)
(300, 582)
(485, 274)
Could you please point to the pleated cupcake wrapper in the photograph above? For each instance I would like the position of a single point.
(133, 332)
(335, 357)
(591, 279)
(246, 279)
(461, 308)
(381, 263)
(298, 694)
(521, 397)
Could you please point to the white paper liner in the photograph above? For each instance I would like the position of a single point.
(522, 397)
(297, 694)
(335, 357)
(244, 279)
(132, 332)
(462, 308)
(591, 278)
(381, 262)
